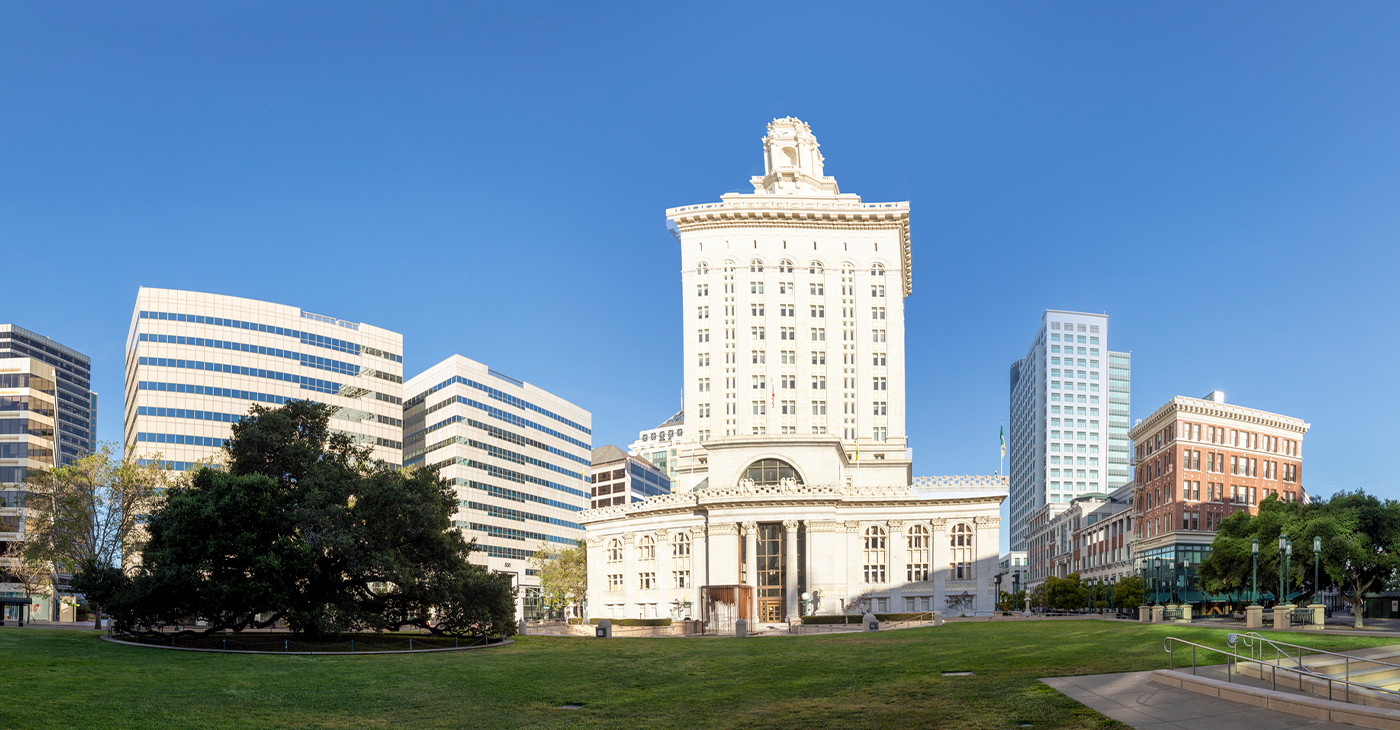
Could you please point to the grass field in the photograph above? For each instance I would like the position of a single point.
(70, 679)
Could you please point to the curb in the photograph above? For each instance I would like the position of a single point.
(304, 653)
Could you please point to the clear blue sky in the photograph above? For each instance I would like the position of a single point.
(490, 180)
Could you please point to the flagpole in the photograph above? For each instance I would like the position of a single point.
(1001, 462)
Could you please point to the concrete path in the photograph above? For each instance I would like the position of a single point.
(1134, 699)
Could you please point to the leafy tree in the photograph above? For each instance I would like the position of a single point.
(563, 575)
(1011, 601)
(1066, 593)
(1360, 539)
(88, 514)
(1128, 592)
(304, 527)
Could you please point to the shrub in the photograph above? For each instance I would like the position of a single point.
(855, 619)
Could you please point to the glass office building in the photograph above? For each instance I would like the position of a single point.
(195, 364)
(519, 457)
(75, 412)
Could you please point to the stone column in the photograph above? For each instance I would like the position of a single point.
(750, 570)
(664, 585)
(597, 577)
(699, 559)
(938, 565)
(855, 575)
(897, 564)
(790, 570)
(629, 574)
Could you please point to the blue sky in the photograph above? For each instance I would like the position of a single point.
(1221, 179)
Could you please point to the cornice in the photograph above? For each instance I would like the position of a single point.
(776, 211)
(1225, 411)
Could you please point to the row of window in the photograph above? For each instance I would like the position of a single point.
(519, 515)
(786, 267)
(789, 334)
(508, 475)
(515, 495)
(497, 395)
(245, 395)
(312, 384)
(306, 338)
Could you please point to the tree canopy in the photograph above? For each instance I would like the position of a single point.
(563, 575)
(1360, 548)
(304, 526)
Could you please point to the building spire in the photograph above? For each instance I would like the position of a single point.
(792, 164)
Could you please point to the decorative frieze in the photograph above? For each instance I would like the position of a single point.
(629, 537)
(723, 528)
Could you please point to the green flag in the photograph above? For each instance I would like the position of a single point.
(1003, 442)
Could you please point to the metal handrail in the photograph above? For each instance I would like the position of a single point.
(1232, 664)
(1277, 644)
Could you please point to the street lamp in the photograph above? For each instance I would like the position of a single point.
(997, 604)
(1317, 569)
(1282, 544)
(1254, 592)
(1288, 571)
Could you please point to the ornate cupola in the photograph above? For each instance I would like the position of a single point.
(791, 161)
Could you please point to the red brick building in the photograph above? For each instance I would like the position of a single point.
(1196, 461)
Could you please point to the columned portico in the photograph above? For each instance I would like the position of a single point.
(790, 582)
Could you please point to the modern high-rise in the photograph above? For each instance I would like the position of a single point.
(519, 457)
(1070, 399)
(196, 362)
(793, 303)
(28, 426)
(75, 416)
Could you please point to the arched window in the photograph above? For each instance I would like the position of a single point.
(846, 270)
(960, 555)
(784, 267)
(646, 548)
(614, 550)
(815, 268)
(768, 472)
(756, 266)
(918, 550)
(874, 554)
(680, 545)
(702, 268)
(877, 270)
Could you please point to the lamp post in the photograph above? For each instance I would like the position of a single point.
(998, 578)
(1282, 544)
(1317, 567)
(1288, 571)
(1254, 592)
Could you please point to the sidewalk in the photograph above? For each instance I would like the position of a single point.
(1134, 699)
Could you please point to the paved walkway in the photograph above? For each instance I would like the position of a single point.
(1134, 699)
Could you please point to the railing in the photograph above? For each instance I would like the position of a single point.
(1258, 646)
(1171, 613)
(1301, 617)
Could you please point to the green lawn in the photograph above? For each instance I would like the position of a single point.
(70, 679)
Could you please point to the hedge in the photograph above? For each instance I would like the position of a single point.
(634, 621)
(855, 619)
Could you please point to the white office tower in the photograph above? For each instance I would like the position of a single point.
(195, 362)
(794, 316)
(1069, 417)
(518, 456)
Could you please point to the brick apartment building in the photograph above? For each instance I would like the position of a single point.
(1196, 461)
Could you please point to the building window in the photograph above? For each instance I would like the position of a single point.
(960, 540)
(874, 554)
(918, 553)
(646, 581)
(614, 550)
(615, 581)
(877, 270)
(680, 579)
(768, 472)
(646, 548)
(680, 545)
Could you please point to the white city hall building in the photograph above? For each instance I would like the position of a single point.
(801, 480)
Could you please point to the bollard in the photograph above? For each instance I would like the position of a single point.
(523, 627)
(741, 628)
(871, 623)
(937, 618)
(604, 630)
